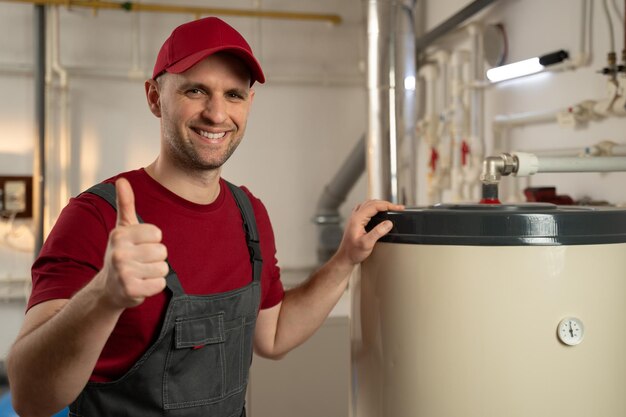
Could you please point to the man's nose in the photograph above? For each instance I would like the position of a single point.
(215, 110)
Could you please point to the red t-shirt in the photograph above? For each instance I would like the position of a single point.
(206, 247)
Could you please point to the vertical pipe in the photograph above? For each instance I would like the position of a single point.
(458, 131)
(40, 123)
(405, 96)
(391, 80)
(378, 14)
(476, 110)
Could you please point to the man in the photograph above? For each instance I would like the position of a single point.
(154, 287)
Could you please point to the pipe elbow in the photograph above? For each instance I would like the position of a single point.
(494, 167)
(491, 170)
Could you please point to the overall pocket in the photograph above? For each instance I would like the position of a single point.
(195, 366)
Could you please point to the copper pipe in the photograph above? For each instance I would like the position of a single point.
(197, 11)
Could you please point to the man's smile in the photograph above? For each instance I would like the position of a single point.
(210, 135)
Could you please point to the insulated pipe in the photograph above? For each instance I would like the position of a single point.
(40, 125)
(379, 90)
(405, 108)
(521, 119)
(391, 100)
(327, 213)
(529, 164)
(430, 121)
(522, 164)
(173, 8)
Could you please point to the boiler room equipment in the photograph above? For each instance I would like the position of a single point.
(492, 311)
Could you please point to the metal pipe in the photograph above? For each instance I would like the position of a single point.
(336, 190)
(405, 108)
(379, 43)
(391, 81)
(40, 125)
(172, 8)
(451, 23)
(327, 213)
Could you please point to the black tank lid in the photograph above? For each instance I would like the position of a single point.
(505, 225)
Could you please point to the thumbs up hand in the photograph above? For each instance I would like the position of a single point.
(134, 263)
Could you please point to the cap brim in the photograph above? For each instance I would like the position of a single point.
(256, 73)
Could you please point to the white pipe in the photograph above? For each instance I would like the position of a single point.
(55, 60)
(584, 54)
(443, 59)
(439, 179)
(476, 140)
(429, 123)
(609, 25)
(476, 96)
(459, 59)
(529, 164)
(522, 119)
(135, 69)
(576, 164)
(317, 80)
(618, 13)
(63, 141)
(603, 148)
(577, 152)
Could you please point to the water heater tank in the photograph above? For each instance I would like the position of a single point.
(492, 311)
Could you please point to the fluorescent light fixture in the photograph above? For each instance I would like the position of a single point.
(526, 67)
(514, 70)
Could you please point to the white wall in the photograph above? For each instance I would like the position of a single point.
(304, 120)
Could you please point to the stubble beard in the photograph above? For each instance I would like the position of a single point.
(187, 157)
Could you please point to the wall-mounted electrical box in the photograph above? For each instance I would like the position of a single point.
(16, 196)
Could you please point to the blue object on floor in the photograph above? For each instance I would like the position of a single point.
(6, 409)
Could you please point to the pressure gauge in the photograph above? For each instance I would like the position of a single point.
(571, 331)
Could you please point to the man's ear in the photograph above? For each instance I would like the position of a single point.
(251, 95)
(153, 96)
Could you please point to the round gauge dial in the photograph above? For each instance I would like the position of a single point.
(571, 331)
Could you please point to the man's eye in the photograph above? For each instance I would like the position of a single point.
(195, 91)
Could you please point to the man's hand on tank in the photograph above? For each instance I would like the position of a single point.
(357, 244)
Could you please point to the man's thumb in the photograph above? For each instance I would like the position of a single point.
(126, 214)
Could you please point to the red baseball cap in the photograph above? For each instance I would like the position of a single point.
(193, 41)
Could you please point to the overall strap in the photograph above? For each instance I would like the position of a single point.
(249, 224)
(106, 190)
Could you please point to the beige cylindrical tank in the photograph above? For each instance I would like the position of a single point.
(485, 311)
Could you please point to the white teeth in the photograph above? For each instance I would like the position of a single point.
(209, 135)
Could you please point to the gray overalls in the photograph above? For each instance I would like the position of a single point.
(199, 364)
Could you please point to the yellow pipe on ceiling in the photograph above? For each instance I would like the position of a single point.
(170, 8)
